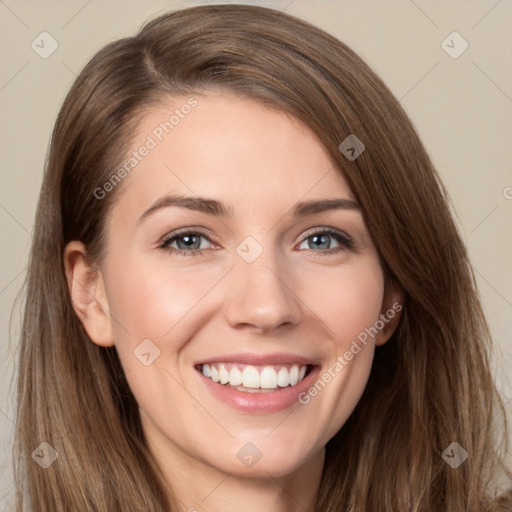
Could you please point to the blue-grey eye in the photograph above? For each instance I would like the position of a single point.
(186, 242)
(325, 240)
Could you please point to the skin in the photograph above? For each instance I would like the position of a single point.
(293, 298)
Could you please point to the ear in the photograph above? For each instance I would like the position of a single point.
(88, 295)
(392, 306)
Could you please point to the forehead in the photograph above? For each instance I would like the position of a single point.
(229, 148)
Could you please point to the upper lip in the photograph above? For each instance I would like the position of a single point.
(258, 359)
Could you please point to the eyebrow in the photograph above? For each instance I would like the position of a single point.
(219, 209)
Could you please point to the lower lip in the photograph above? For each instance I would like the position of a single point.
(260, 402)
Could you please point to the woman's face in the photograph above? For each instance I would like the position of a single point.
(237, 251)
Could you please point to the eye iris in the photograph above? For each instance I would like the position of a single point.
(321, 241)
(188, 242)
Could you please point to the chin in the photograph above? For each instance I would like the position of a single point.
(253, 462)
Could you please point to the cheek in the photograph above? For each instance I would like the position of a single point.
(148, 299)
(348, 300)
(349, 306)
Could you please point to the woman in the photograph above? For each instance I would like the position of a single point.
(324, 349)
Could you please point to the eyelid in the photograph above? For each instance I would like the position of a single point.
(349, 241)
(324, 229)
(169, 238)
(189, 230)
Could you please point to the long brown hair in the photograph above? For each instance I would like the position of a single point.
(430, 385)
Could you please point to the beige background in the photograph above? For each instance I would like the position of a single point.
(461, 107)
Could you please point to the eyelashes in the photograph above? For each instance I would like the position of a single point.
(320, 237)
(319, 234)
(189, 237)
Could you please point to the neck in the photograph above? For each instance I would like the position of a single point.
(199, 487)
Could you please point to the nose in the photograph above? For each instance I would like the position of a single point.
(261, 295)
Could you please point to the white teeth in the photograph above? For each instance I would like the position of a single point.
(253, 378)
(214, 374)
(283, 377)
(235, 376)
(223, 374)
(268, 378)
(294, 375)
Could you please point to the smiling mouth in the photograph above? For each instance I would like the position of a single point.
(254, 378)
